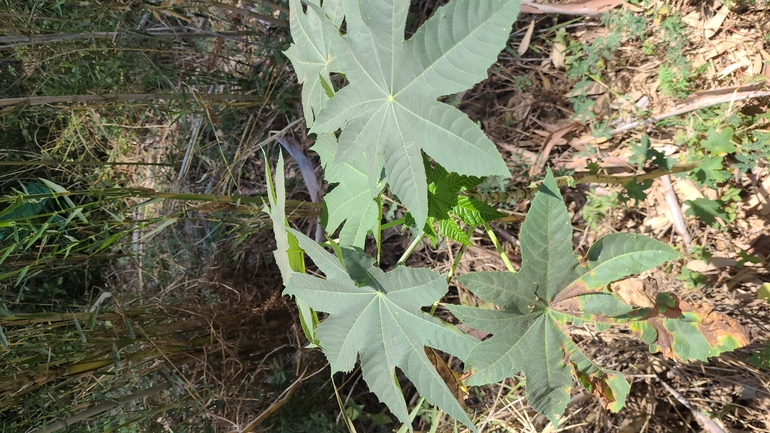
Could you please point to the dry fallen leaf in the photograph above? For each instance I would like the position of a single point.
(452, 379)
(712, 26)
(710, 264)
(524, 46)
(557, 55)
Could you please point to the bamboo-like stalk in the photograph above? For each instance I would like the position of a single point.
(149, 193)
(222, 99)
(104, 407)
(66, 37)
(53, 162)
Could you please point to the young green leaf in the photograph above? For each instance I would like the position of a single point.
(644, 152)
(390, 110)
(719, 144)
(446, 201)
(351, 202)
(635, 191)
(377, 316)
(288, 256)
(707, 210)
(710, 172)
(530, 333)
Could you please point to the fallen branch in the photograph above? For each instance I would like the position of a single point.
(591, 8)
(142, 97)
(697, 101)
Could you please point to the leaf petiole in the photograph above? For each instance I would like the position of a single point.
(393, 223)
(499, 248)
(411, 248)
(456, 261)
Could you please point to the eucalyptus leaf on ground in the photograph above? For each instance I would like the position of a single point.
(377, 317)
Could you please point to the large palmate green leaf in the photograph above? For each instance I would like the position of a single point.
(351, 202)
(551, 290)
(390, 112)
(311, 54)
(377, 316)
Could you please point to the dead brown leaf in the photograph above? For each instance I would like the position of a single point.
(452, 379)
(633, 292)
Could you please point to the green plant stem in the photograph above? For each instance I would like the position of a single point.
(456, 261)
(411, 248)
(499, 248)
(379, 230)
(392, 223)
(412, 415)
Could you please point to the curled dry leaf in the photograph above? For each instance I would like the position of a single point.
(453, 379)
(557, 55)
(633, 292)
(710, 264)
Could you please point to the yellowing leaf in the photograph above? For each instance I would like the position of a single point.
(530, 333)
(685, 331)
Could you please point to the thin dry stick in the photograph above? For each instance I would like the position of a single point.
(708, 424)
(492, 411)
(18, 40)
(271, 5)
(252, 14)
(282, 400)
(699, 100)
(142, 97)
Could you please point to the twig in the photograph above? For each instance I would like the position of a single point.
(676, 212)
(695, 102)
(142, 97)
(526, 192)
(707, 423)
(619, 180)
(20, 40)
(252, 14)
(282, 400)
(589, 8)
